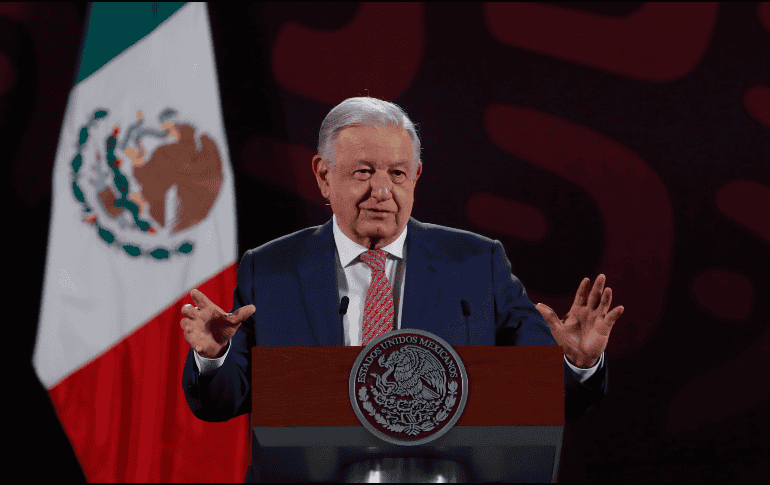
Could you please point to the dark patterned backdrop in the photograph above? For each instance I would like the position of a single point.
(626, 139)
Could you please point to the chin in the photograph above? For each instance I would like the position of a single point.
(369, 229)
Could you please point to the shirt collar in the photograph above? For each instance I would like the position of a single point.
(349, 250)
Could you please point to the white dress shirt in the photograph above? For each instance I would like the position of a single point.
(353, 279)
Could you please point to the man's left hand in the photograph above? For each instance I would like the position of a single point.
(584, 331)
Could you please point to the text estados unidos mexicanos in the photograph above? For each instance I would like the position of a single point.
(407, 339)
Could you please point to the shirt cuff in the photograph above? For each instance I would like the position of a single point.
(207, 367)
(584, 374)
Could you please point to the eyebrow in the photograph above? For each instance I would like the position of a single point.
(370, 163)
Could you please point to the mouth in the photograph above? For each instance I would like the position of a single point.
(376, 212)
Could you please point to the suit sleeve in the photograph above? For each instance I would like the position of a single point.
(518, 322)
(227, 393)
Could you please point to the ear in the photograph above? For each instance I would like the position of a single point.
(417, 173)
(321, 170)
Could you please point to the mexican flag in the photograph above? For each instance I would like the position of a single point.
(143, 211)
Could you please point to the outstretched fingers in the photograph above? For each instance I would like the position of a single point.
(201, 300)
(596, 292)
(581, 296)
(604, 305)
(610, 319)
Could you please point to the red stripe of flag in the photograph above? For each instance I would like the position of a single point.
(126, 415)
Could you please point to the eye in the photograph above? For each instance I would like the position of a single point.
(362, 174)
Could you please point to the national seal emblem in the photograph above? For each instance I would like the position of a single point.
(408, 387)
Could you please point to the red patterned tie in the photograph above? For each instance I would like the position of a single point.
(378, 308)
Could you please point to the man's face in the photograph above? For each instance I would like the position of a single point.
(371, 189)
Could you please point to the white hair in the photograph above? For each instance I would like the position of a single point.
(364, 111)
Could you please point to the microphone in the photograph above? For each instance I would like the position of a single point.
(344, 305)
(344, 302)
(466, 308)
(467, 312)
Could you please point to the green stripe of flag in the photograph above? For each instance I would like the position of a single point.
(113, 27)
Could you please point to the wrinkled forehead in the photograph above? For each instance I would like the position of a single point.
(376, 144)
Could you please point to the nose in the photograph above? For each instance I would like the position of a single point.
(382, 187)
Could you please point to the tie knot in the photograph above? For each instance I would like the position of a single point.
(375, 259)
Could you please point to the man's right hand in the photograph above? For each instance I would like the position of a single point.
(207, 328)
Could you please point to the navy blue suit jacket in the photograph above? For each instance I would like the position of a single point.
(292, 282)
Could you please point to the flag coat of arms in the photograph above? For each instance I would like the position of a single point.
(143, 210)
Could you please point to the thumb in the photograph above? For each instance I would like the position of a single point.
(560, 334)
(241, 314)
(548, 314)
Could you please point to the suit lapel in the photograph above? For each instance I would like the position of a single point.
(318, 283)
(423, 283)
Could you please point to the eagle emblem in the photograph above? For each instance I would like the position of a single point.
(408, 387)
(142, 186)
(410, 366)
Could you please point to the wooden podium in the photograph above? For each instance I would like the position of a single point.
(511, 428)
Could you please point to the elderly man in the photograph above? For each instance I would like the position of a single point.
(431, 277)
